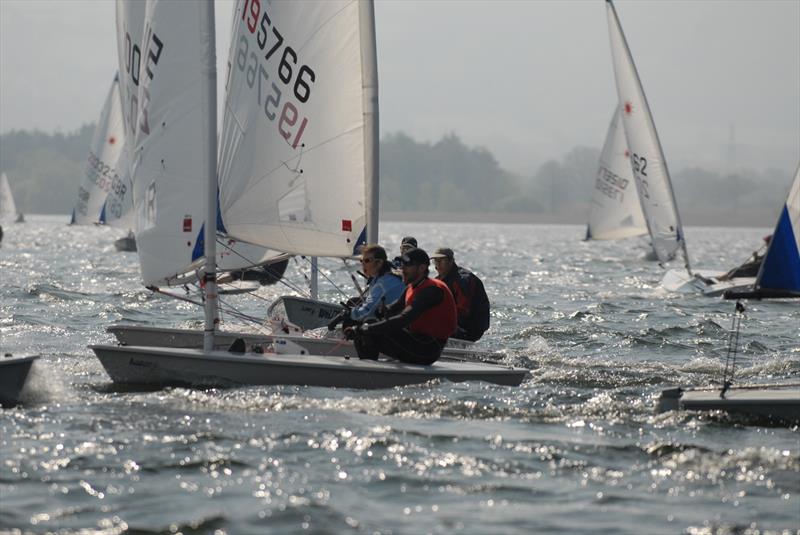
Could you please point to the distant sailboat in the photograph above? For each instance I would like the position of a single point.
(616, 212)
(8, 208)
(646, 155)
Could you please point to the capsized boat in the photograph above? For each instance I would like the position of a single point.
(339, 141)
(13, 374)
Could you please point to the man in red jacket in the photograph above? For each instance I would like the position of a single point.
(416, 327)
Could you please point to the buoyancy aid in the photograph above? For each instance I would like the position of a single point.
(438, 321)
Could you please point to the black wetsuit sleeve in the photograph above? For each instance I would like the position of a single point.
(423, 300)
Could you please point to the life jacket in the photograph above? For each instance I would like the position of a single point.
(471, 300)
(438, 321)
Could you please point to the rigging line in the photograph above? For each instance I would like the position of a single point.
(288, 284)
(325, 277)
(733, 346)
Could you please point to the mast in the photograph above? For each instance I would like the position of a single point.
(369, 71)
(209, 105)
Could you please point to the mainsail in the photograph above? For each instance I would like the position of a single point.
(8, 208)
(647, 157)
(298, 154)
(102, 174)
(780, 269)
(168, 163)
(616, 212)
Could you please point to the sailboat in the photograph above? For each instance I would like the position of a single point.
(616, 212)
(317, 108)
(778, 277)
(648, 163)
(320, 201)
(8, 208)
(104, 195)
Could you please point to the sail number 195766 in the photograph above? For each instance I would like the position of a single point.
(270, 42)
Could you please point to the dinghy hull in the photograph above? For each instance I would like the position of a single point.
(140, 335)
(773, 402)
(13, 374)
(703, 281)
(137, 365)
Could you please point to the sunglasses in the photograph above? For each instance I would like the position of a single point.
(368, 260)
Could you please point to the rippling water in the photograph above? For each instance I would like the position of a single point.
(576, 448)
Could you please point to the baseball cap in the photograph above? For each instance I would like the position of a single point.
(443, 252)
(415, 257)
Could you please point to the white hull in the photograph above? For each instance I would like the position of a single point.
(136, 365)
(13, 374)
(139, 335)
(703, 281)
(776, 402)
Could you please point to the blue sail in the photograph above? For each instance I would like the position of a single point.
(780, 270)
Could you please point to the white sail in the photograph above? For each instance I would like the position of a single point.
(295, 155)
(168, 166)
(647, 158)
(102, 175)
(8, 208)
(616, 212)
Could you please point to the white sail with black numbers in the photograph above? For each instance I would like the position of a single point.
(102, 175)
(647, 159)
(295, 152)
(616, 212)
(171, 136)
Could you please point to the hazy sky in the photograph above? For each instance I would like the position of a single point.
(527, 79)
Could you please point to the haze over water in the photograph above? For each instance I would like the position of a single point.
(576, 448)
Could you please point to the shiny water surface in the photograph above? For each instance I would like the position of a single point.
(577, 448)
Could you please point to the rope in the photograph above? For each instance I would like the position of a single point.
(733, 346)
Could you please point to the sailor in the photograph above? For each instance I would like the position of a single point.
(418, 325)
(383, 289)
(406, 244)
(470, 296)
(751, 266)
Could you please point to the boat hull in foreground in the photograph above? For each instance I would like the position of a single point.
(13, 374)
(773, 402)
(141, 335)
(138, 365)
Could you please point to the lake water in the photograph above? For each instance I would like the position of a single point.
(577, 448)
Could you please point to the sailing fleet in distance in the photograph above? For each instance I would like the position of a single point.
(294, 171)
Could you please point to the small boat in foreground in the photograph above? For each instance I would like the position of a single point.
(158, 366)
(773, 402)
(13, 374)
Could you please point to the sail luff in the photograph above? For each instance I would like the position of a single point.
(369, 70)
(655, 188)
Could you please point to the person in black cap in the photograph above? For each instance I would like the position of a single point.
(417, 326)
(406, 244)
(468, 291)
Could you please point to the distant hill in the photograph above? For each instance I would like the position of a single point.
(442, 181)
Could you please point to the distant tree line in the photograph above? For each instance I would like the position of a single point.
(445, 177)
